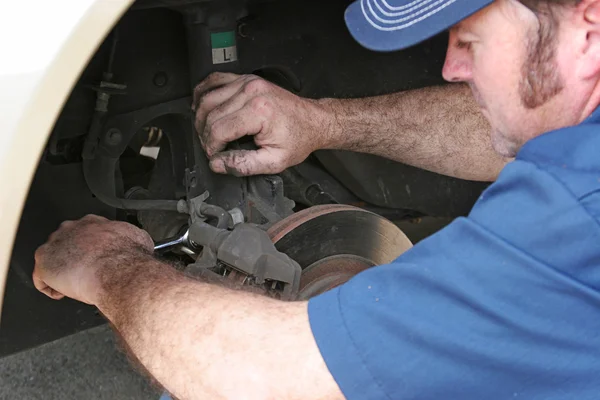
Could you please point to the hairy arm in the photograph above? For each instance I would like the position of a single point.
(437, 128)
(198, 340)
(202, 341)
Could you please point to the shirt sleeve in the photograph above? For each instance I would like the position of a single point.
(483, 309)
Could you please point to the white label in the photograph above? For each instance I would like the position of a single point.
(224, 55)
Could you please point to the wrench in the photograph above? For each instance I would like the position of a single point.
(180, 242)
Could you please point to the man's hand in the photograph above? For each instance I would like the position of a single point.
(286, 128)
(69, 263)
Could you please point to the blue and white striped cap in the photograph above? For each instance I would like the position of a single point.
(386, 25)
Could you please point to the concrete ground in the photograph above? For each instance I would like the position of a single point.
(87, 365)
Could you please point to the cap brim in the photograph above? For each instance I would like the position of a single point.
(378, 26)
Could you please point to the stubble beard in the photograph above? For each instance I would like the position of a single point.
(540, 82)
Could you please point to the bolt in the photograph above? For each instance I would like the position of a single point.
(315, 195)
(242, 30)
(113, 137)
(160, 79)
(237, 215)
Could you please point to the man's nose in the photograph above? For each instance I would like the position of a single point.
(458, 64)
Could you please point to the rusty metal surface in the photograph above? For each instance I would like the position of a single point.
(283, 227)
(334, 242)
(329, 273)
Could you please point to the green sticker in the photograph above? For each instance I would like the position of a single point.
(222, 39)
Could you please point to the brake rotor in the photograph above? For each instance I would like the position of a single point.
(334, 242)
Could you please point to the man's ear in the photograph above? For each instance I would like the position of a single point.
(589, 12)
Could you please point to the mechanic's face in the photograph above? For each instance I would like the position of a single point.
(514, 74)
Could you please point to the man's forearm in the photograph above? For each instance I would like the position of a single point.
(204, 341)
(440, 129)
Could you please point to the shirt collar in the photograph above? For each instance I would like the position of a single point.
(593, 118)
(572, 145)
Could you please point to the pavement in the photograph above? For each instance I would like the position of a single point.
(88, 365)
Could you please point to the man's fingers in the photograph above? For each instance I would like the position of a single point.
(37, 280)
(226, 100)
(211, 101)
(53, 294)
(40, 285)
(66, 224)
(38, 253)
(213, 81)
(231, 127)
(94, 217)
(223, 101)
(248, 162)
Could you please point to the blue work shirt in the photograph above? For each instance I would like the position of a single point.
(502, 304)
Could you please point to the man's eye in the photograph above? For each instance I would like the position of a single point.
(463, 45)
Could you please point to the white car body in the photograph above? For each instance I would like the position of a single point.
(45, 46)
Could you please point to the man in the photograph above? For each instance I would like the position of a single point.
(502, 304)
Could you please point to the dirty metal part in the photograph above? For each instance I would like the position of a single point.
(159, 224)
(249, 252)
(224, 219)
(329, 273)
(237, 216)
(93, 171)
(193, 205)
(201, 22)
(303, 190)
(104, 90)
(100, 167)
(266, 197)
(334, 242)
(199, 210)
(204, 22)
(95, 162)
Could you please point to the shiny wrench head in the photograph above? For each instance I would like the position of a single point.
(179, 242)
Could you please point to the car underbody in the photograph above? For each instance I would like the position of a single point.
(124, 147)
